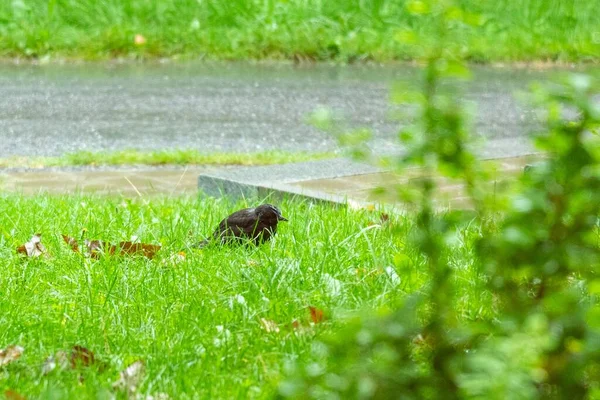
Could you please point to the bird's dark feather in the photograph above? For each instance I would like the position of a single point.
(250, 224)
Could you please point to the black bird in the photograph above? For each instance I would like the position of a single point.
(250, 224)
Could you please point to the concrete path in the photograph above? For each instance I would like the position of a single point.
(52, 110)
(337, 181)
(125, 182)
(344, 181)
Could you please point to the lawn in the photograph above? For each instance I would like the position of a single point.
(162, 157)
(343, 303)
(500, 302)
(194, 319)
(301, 30)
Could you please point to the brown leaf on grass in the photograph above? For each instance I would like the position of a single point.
(81, 357)
(10, 354)
(147, 250)
(269, 326)
(33, 248)
(383, 219)
(12, 395)
(98, 247)
(73, 244)
(316, 314)
(131, 377)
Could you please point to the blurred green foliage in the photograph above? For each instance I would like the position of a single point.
(538, 260)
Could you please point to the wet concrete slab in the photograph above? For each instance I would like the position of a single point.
(382, 187)
(338, 181)
(343, 181)
(132, 182)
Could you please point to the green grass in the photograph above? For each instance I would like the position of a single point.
(195, 323)
(162, 157)
(380, 30)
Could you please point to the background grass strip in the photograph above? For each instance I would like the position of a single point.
(380, 30)
(162, 157)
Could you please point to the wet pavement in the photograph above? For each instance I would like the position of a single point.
(124, 182)
(338, 181)
(57, 109)
(53, 110)
(449, 194)
(356, 184)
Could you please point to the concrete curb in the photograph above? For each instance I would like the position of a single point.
(219, 187)
(276, 181)
(289, 180)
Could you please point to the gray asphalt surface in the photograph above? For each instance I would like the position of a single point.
(52, 110)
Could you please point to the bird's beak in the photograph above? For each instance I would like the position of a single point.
(281, 218)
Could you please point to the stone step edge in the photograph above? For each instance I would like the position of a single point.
(216, 186)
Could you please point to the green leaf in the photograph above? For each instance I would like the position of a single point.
(417, 7)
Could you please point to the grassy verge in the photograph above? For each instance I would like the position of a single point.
(383, 30)
(194, 322)
(164, 157)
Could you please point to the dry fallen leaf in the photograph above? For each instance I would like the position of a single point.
(10, 354)
(12, 395)
(269, 326)
(316, 314)
(81, 357)
(33, 248)
(131, 377)
(97, 247)
(147, 250)
(73, 244)
(384, 218)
